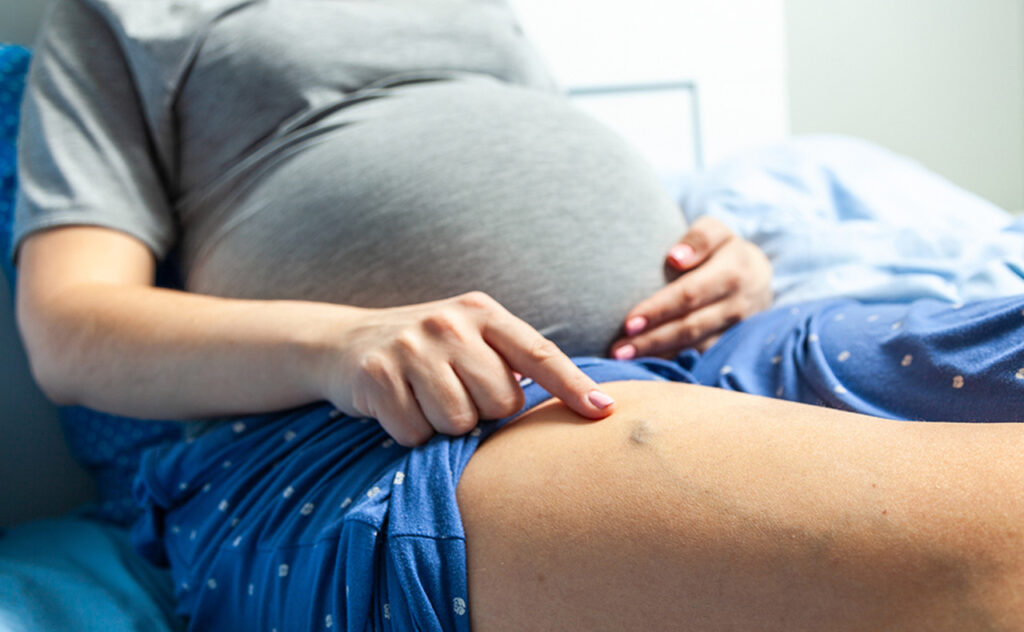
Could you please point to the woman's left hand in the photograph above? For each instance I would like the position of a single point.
(724, 280)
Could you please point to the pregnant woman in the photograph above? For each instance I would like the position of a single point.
(382, 213)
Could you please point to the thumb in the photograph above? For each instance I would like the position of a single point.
(705, 236)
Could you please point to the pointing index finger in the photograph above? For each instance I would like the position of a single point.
(533, 355)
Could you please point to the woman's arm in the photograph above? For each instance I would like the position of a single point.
(99, 334)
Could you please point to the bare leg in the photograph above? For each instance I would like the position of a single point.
(698, 509)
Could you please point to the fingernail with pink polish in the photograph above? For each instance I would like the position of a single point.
(517, 375)
(635, 325)
(682, 255)
(625, 352)
(600, 399)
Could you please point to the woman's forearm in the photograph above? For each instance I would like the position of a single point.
(156, 353)
(98, 333)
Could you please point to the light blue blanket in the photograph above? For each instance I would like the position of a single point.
(842, 217)
(72, 574)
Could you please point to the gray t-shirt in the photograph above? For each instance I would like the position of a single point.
(368, 153)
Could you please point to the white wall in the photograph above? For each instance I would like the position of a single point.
(940, 80)
(735, 50)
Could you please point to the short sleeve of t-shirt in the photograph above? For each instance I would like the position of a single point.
(85, 154)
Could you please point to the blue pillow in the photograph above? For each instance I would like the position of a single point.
(108, 446)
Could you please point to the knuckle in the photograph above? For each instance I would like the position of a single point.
(732, 282)
(462, 422)
(542, 350)
(689, 333)
(375, 366)
(734, 316)
(408, 343)
(687, 296)
(441, 323)
(410, 437)
(504, 405)
(476, 300)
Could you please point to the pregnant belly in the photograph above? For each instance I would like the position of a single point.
(444, 187)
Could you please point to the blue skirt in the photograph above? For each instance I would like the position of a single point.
(313, 520)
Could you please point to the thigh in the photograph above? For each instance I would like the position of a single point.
(696, 508)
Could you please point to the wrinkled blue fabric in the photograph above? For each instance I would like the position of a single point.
(927, 360)
(313, 520)
(839, 216)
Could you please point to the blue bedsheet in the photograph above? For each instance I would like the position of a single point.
(74, 574)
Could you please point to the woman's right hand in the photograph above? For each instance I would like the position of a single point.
(442, 366)
(99, 335)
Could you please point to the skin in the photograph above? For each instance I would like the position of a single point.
(700, 509)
